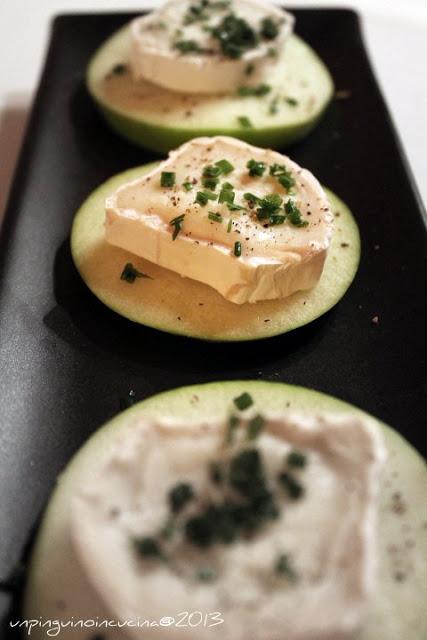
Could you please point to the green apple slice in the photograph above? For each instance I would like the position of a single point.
(184, 306)
(160, 120)
(57, 589)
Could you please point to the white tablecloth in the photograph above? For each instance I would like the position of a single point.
(396, 34)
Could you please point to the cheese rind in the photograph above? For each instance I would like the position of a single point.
(154, 57)
(276, 260)
(329, 533)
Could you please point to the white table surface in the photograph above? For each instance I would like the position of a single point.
(395, 32)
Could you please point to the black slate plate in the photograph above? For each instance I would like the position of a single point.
(66, 360)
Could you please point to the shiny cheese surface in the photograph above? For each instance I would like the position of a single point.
(156, 56)
(328, 533)
(275, 260)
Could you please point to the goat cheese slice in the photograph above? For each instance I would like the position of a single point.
(175, 46)
(326, 535)
(237, 248)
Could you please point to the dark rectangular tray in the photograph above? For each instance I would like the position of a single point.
(66, 360)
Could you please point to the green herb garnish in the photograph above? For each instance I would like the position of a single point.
(258, 92)
(244, 401)
(167, 179)
(226, 194)
(119, 69)
(294, 214)
(283, 174)
(233, 423)
(230, 225)
(293, 102)
(234, 207)
(250, 68)
(180, 495)
(296, 459)
(148, 547)
(269, 206)
(211, 171)
(214, 216)
(130, 274)
(235, 36)
(251, 198)
(284, 568)
(202, 197)
(294, 488)
(244, 122)
(225, 166)
(274, 106)
(188, 186)
(188, 46)
(210, 183)
(177, 224)
(256, 168)
(255, 426)
(269, 29)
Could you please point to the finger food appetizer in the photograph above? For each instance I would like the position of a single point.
(205, 67)
(252, 507)
(221, 241)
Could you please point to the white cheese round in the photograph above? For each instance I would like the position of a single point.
(275, 261)
(159, 37)
(328, 533)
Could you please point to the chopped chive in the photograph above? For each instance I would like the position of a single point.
(294, 489)
(119, 69)
(284, 568)
(211, 171)
(269, 205)
(244, 122)
(130, 274)
(226, 194)
(296, 459)
(258, 92)
(274, 106)
(148, 547)
(230, 225)
(252, 198)
(180, 495)
(225, 166)
(256, 168)
(255, 427)
(294, 214)
(272, 52)
(188, 186)
(235, 36)
(233, 423)
(216, 217)
(244, 401)
(269, 29)
(167, 179)
(210, 183)
(202, 197)
(249, 69)
(188, 46)
(293, 102)
(234, 207)
(276, 219)
(177, 224)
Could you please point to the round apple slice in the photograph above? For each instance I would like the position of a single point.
(166, 301)
(57, 588)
